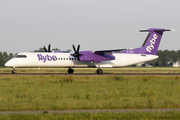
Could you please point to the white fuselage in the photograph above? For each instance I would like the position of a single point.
(51, 60)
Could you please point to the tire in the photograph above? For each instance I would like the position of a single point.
(13, 71)
(99, 71)
(70, 71)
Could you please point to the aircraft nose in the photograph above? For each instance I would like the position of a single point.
(8, 64)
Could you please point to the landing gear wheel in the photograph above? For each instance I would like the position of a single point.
(70, 71)
(99, 71)
(13, 71)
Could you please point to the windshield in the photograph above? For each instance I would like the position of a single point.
(20, 56)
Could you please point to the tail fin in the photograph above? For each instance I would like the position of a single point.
(151, 43)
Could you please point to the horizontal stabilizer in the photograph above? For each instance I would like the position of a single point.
(156, 30)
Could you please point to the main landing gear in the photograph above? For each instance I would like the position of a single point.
(70, 71)
(13, 71)
(99, 71)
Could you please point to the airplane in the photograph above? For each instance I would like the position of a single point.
(99, 59)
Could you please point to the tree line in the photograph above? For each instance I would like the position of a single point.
(166, 58)
(4, 57)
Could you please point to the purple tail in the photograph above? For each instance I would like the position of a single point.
(151, 44)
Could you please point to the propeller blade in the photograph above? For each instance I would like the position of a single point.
(78, 48)
(74, 48)
(45, 49)
(49, 48)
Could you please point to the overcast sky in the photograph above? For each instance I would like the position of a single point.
(27, 25)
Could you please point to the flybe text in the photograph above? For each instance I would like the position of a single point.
(46, 57)
(150, 47)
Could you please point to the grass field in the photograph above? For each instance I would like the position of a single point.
(53, 92)
(93, 70)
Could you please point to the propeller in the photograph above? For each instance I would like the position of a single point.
(76, 52)
(49, 48)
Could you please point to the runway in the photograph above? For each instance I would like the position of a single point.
(92, 111)
(91, 74)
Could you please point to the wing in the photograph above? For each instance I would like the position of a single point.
(104, 51)
(97, 56)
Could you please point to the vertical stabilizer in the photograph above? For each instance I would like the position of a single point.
(151, 43)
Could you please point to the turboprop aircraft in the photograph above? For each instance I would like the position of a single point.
(99, 58)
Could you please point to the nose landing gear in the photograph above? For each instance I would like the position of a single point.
(13, 71)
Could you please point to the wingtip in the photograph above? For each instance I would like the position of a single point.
(173, 30)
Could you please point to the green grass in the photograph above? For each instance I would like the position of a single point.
(96, 116)
(93, 70)
(18, 93)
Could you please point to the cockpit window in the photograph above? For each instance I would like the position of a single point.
(20, 56)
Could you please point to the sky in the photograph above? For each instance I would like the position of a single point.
(27, 25)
